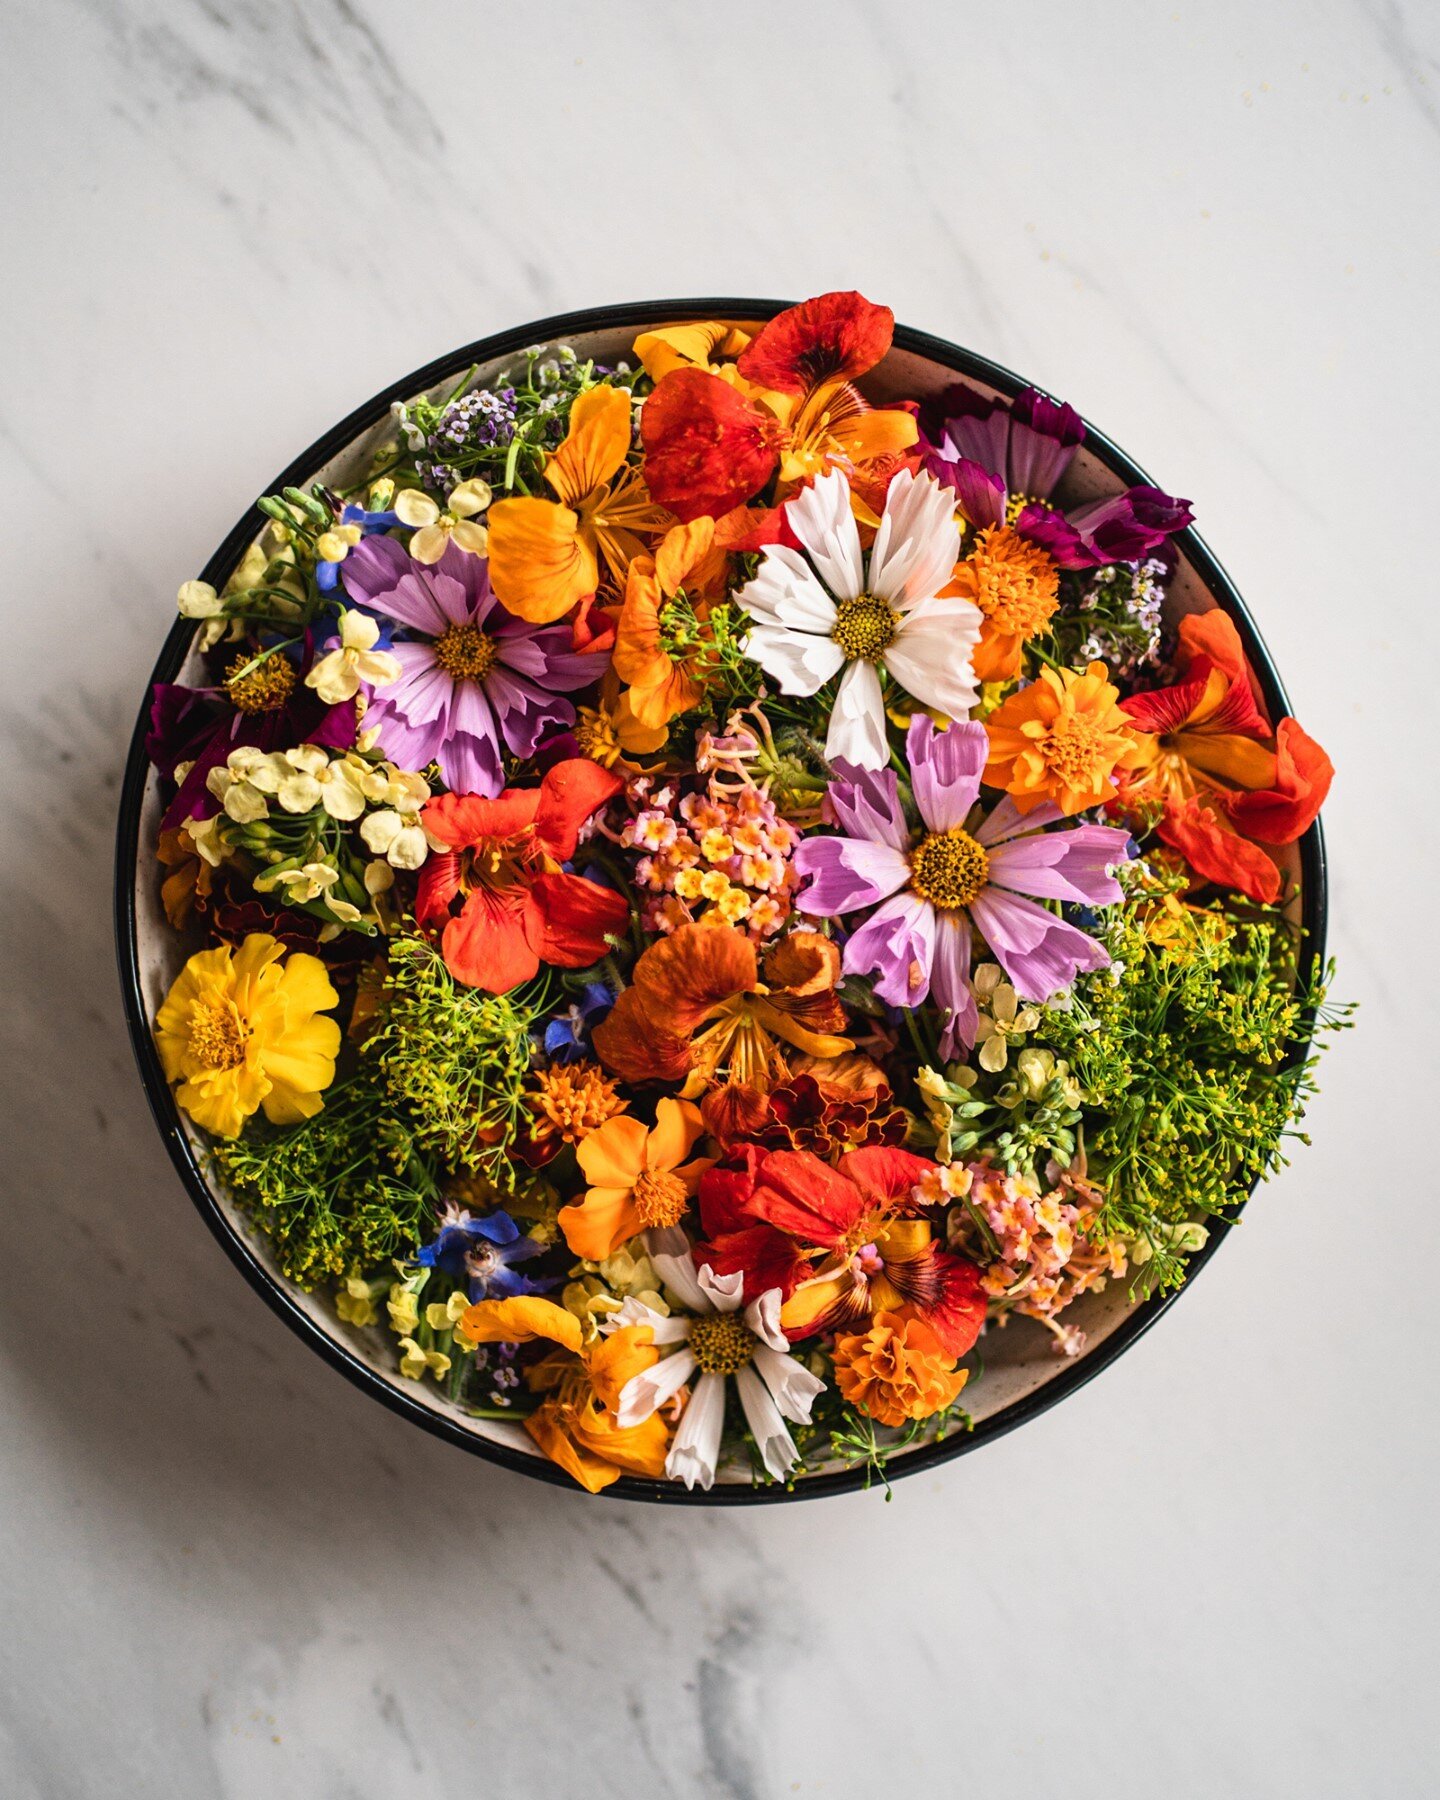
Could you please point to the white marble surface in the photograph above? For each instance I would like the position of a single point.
(223, 1572)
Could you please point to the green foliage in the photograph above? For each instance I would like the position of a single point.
(341, 1194)
(1191, 1057)
(454, 1059)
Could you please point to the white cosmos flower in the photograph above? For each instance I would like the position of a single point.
(814, 617)
(747, 1343)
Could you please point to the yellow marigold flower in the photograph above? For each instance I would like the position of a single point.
(240, 1029)
(895, 1370)
(570, 1100)
(1059, 739)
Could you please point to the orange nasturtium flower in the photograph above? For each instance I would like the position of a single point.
(1059, 739)
(1225, 780)
(545, 555)
(698, 1012)
(667, 677)
(575, 1423)
(639, 1179)
(787, 406)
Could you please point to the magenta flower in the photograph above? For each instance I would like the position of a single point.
(931, 890)
(475, 680)
(1002, 460)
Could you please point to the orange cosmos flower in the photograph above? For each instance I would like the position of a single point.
(896, 1369)
(697, 1010)
(1016, 585)
(789, 405)
(666, 679)
(545, 554)
(639, 1179)
(1059, 739)
(575, 1424)
(1225, 781)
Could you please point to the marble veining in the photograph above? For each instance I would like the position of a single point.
(227, 1574)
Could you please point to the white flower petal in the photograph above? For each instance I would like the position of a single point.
(762, 1315)
(664, 1329)
(413, 507)
(822, 520)
(794, 1388)
(642, 1394)
(918, 542)
(696, 1450)
(725, 1293)
(930, 654)
(669, 1250)
(785, 591)
(857, 723)
(799, 663)
(358, 631)
(777, 1447)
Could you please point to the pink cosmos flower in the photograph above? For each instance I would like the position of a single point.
(931, 890)
(475, 680)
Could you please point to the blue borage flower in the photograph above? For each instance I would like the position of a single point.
(483, 1253)
(336, 544)
(567, 1035)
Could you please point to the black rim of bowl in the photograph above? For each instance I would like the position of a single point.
(282, 1301)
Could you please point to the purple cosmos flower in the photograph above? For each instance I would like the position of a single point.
(998, 458)
(929, 892)
(484, 1253)
(475, 680)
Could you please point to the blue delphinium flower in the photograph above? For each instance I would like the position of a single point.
(567, 1035)
(483, 1253)
(367, 524)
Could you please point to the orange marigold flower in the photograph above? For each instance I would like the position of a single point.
(895, 1370)
(570, 1100)
(667, 679)
(545, 554)
(698, 1012)
(1059, 739)
(639, 1179)
(1016, 585)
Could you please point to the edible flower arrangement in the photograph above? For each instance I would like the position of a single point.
(715, 895)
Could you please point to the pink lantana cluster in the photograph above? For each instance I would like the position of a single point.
(724, 854)
(1032, 1247)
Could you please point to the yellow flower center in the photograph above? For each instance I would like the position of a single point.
(260, 687)
(1073, 747)
(1017, 585)
(1016, 504)
(721, 1343)
(660, 1199)
(465, 653)
(595, 737)
(864, 627)
(948, 868)
(217, 1035)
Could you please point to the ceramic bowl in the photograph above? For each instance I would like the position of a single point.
(1022, 1373)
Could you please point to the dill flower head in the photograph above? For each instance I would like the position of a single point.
(241, 1029)
(567, 1101)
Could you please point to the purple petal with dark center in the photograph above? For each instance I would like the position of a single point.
(524, 713)
(950, 982)
(1007, 821)
(1128, 526)
(1044, 436)
(1056, 536)
(979, 493)
(470, 765)
(410, 746)
(372, 569)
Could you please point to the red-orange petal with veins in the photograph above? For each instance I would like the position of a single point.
(1218, 854)
(707, 448)
(833, 337)
(1303, 773)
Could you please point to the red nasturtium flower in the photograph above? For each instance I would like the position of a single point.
(501, 864)
(1227, 781)
(840, 1243)
(788, 404)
